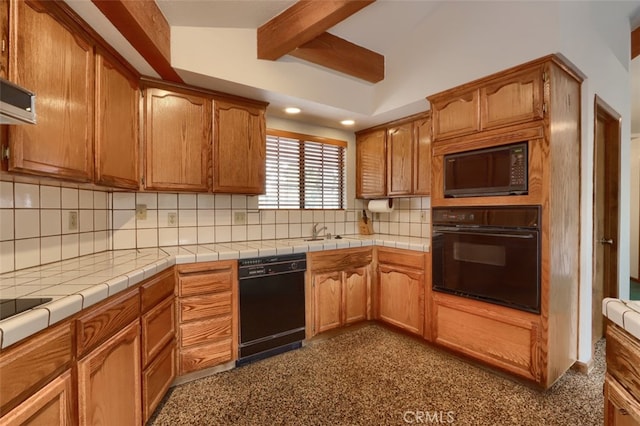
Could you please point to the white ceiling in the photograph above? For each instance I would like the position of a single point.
(385, 26)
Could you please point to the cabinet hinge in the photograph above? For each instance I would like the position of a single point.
(4, 45)
(544, 76)
(142, 180)
(5, 152)
(544, 107)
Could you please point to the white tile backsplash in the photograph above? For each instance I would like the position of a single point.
(34, 221)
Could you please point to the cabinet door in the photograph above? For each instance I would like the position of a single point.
(422, 157)
(56, 63)
(401, 297)
(621, 408)
(327, 301)
(512, 100)
(157, 378)
(4, 38)
(371, 165)
(239, 149)
(51, 405)
(109, 390)
(400, 160)
(117, 105)
(456, 115)
(355, 284)
(177, 140)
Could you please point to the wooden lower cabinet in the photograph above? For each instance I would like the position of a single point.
(340, 282)
(109, 390)
(51, 405)
(156, 379)
(207, 310)
(401, 288)
(622, 381)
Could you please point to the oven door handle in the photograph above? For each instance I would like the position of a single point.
(527, 236)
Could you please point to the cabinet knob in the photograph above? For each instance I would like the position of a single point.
(623, 412)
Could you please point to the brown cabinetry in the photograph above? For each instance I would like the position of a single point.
(4, 38)
(177, 139)
(109, 390)
(117, 116)
(239, 148)
(55, 60)
(207, 315)
(622, 381)
(510, 99)
(401, 288)
(158, 339)
(394, 159)
(537, 103)
(340, 282)
(28, 371)
(371, 164)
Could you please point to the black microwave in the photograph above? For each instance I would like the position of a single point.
(501, 170)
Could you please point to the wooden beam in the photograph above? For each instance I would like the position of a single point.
(635, 43)
(343, 56)
(142, 23)
(301, 23)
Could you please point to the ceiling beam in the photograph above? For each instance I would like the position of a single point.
(635, 43)
(145, 27)
(301, 23)
(341, 55)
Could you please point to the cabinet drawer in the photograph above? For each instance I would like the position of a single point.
(408, 258)
(31, 364)
(157, 378)
(106, 319)
(623, 358)
(336, 260)
(204, 356)
(204, 331)
(210, 282)
(156, 289)
(199, 307)
(158, 327)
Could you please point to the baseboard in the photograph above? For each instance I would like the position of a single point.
(582, 367)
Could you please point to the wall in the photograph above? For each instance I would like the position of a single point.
(34, 224)
(634, 252)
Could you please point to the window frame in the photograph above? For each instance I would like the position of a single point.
(302, 138)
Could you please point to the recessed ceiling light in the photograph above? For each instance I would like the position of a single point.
(292, 110)
(347, 122)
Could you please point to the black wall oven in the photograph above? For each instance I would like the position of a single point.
(488, 253)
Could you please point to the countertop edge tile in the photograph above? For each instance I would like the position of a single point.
(135, 276)
(23, 325)
(63, 308)
(117, 284)
(93, 295)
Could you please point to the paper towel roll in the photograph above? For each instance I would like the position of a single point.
(381, 206)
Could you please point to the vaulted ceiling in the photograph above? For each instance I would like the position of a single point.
(216, 44)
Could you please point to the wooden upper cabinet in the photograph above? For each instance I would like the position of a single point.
(400, 159)
(422, 156)
(54, 60)
(513, 99)
(371, 164)
(456, 115)
(117, 106)
(177, 140)
(239, 148)
(4, 38)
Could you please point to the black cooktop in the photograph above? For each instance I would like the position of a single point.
(10, 307)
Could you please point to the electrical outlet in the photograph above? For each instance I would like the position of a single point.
(423, 216)
(141, 211)
(239, 218)
(73, 221)
(172, 219)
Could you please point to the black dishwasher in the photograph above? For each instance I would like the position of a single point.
(272, 305)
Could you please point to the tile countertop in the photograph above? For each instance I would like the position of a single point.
(78, 283)
(625, 313)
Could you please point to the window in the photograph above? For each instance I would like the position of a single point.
(303, 172)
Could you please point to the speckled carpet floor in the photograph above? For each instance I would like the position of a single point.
(375, 376)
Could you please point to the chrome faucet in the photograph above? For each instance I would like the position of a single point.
(315, 231)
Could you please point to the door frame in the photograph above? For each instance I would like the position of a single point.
(613, 140)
